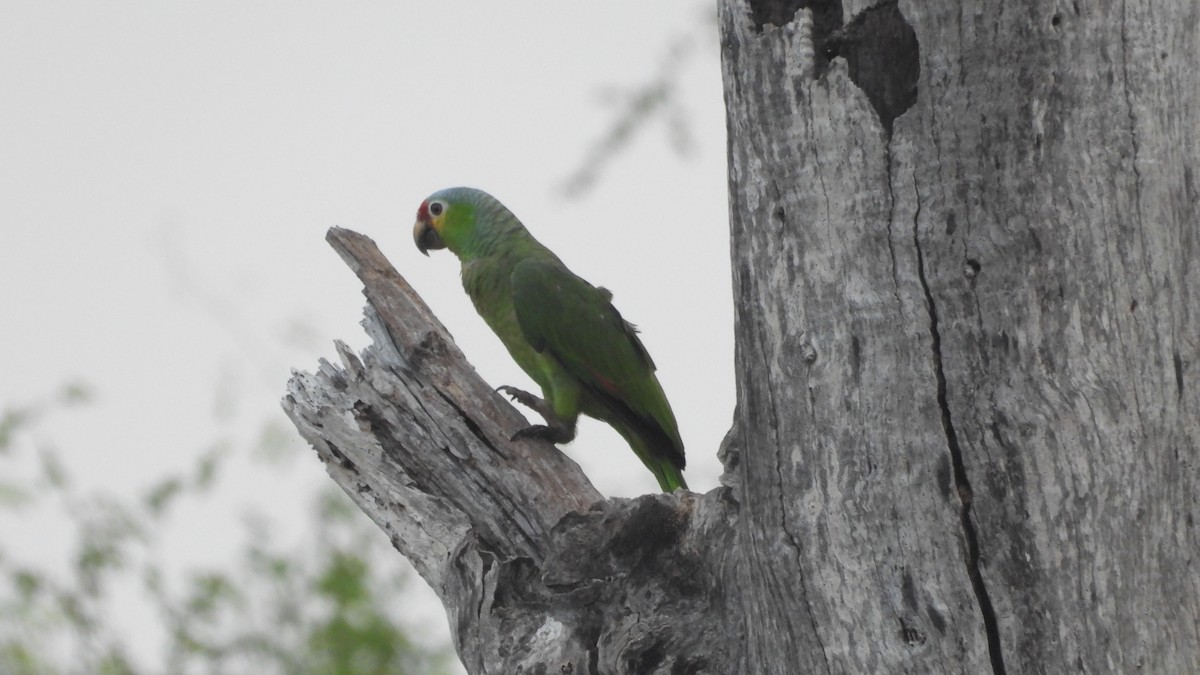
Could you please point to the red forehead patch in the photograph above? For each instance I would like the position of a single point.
(423, 211)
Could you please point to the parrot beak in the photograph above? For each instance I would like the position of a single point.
(426, 237)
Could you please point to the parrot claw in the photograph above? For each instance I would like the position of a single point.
(555, 430)
(523, 397)
(530, 401)
(544, 432)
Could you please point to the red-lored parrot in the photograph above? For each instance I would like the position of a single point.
(561, 330)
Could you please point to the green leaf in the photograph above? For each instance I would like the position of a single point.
(208, 465)
(344, 579)
(334, 506)
(276, 442)
(209, 593)
(75, 393)
(13, 495)
(12, 421)
(163, 495)
(107, 528)
(115, 662)
(28, 584)
(16, 657)
(52, 469)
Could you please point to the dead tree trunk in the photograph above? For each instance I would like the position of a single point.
(965, 242)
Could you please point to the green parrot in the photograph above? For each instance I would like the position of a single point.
(561, 330)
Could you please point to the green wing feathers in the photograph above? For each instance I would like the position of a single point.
(567, 318)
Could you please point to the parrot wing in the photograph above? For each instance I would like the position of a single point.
(575, 322)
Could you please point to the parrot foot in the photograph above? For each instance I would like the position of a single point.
(561, 434)
(526, 399)
(555, 430)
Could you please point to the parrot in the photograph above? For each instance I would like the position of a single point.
(561, 330)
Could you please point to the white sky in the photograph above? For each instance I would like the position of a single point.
(168, 171)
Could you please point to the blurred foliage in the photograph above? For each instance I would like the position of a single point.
(636, 107)
(325, 607)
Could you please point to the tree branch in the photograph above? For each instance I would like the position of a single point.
(420, 441)
(537, 572)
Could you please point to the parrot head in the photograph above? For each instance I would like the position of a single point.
(450, 219)
(432, 217)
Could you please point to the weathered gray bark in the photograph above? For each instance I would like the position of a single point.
(968, 413)
(535, 570)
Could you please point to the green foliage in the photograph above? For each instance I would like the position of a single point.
(327, 606)
(357, 638)
(11, 421)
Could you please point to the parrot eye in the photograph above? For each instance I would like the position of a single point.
(436, 208)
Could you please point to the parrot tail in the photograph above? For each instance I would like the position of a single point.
(660, 451)
(661, 464)
(669, 477)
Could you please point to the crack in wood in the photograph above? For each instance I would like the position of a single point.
(963, 485)
(471, 424)
(890, 225)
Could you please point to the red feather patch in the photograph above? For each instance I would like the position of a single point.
(605, 383)
(423, 211)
